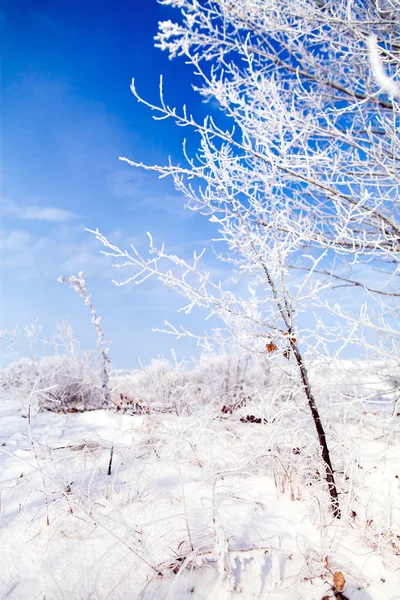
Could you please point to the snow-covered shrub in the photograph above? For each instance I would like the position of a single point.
(60, 383)
(71, 385)
(19, 376)
(231, 380)
(158, 385)
(224, 377)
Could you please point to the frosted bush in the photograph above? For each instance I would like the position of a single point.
(158, 385)
(61, 383)
(19, 375)
(228, 379)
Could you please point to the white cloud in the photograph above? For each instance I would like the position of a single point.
(35, 213)
(53, 215)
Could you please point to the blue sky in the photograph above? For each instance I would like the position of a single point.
(68, 114)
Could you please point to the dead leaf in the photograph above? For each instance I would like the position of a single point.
(289, 336)
(338, 581)
(271, 347)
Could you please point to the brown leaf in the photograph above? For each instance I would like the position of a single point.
(289, 336)
(286, 353)
(271, 347)
(338, 581)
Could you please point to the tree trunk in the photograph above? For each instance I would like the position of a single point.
(320, 431)
(286, 314)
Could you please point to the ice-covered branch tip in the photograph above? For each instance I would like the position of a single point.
(387, 83)
(78, 284)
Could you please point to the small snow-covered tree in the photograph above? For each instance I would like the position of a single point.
(79, 285)
(302, 171)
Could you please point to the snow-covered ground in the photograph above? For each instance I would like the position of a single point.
(198, 504)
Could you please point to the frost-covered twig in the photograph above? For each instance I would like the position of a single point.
(387, 83)
(78, 284)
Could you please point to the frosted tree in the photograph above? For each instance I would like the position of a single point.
(301, 173)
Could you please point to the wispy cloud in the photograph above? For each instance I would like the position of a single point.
(169, 203)
(19, 250)
(49, 214)
(64, 249)
(145, 192)
(128, 183)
